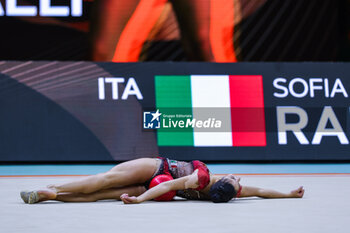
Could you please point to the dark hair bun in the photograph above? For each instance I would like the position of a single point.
(222, 191)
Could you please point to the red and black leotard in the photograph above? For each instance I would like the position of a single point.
(179, 169)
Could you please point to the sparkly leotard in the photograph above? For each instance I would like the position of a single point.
(179, 169)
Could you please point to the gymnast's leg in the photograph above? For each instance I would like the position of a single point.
(113, 193)
(125, 174)
(110, 19)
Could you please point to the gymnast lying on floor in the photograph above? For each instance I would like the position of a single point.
(161, 179)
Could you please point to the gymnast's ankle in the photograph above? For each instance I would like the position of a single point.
(45, 195)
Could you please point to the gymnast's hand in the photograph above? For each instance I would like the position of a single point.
(128, 200)
(298, 193)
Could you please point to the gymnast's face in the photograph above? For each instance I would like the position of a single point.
(233, 180)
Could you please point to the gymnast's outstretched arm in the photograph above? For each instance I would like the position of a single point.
(185, 182)
(268, 193)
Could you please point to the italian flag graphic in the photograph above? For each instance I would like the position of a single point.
(237, 100)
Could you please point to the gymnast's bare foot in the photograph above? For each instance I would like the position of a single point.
(52, 187)
(31, 197)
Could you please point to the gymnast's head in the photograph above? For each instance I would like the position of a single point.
(225, 189)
